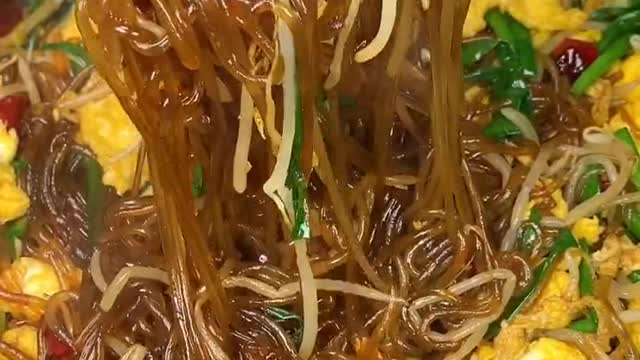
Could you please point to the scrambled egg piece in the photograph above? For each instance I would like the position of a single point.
(634, 328)
(484, 352)
(8, 144)
(106, 128)
(23, 338)
(588, 35)
(30, 276)
(548, 349)
(616, 253)
(544, 16)
(588, 229)
(14, 202)
(542, 349)
(556, 306)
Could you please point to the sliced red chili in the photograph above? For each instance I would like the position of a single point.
(56, 349)
(10, 15)
(572, 57)
(12, 109)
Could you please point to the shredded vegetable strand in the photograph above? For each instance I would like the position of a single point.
(124, 275)
(309, 300)
(335, 69)
(387, 21)
(241, 156)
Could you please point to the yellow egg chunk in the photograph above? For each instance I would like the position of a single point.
(549, 349)
(544, 16)
(634, 328)
(484, 351)
(23, 338)
(588, 35)
(31, 276)
(14, 202)
(588, 229)
(106, 128)
(8, 144)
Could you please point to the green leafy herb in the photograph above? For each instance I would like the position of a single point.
(620, 28)
(500, 128)
(634, 276)
(530, 231)
(295, 178)
(607, 59)
(19, 166)
(474, 51)
(587, 324)
(76, 53)
(562, 242)
(631, 218)
(14, 232)
(95, 197)
(590, 182)
(198, 186)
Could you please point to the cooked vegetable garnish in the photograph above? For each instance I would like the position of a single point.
(590, 182)
(561, 243)
(574, 56)
(198, 187)
(622, 27)
(501, 128)
(625, 136)
(607, 59)
(474, 51)
(14, 233)
(95, 197)
(634, 276)
(76, 53)
(517, 36)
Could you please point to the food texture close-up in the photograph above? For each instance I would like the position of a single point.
(319, 179)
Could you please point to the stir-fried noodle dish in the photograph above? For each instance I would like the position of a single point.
(319, 179)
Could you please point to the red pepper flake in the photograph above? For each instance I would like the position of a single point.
(572, 57)
(56, 349)
(12, 109)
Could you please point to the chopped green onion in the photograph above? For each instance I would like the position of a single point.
(14, 233)
(631, 218)
(634, 276)
(624, 25)
(590, 182)
(474, 51)
(500, 128)
(529, 231)
(95, 197)
(76, 53)
(517, 35)
(19, 166)
(562, 242)
(602, 65)
(295, 178)
(535, 215)
(624, 135)
(198, 186)
(608, 14)
(587, 324)
(586, 279)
